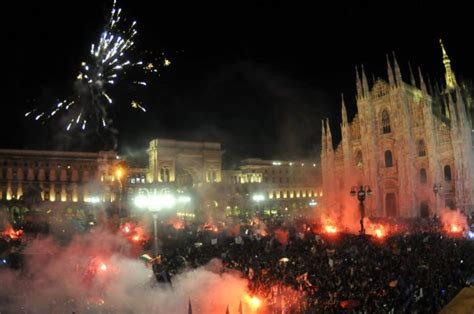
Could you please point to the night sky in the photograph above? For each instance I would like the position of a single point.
(257, 76)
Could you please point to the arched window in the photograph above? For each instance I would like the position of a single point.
(423, 177)
(447, 173)
(358, 159)
(165, 174)
(421, 148)
(385, 122)
(388, 159)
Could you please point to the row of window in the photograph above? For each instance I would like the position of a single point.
(211, 175)
(7, 163)
(137, 180)
(387, 129)
(292, 194)
(388, 155)
(446, 171)
(42, 175)
(58, 194)
(423, 176)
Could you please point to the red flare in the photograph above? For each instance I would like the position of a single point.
(330, 229)
(12, 233)
(379, 233)
(127, 228)
(253, 302)
(455, 228)
(102, 267)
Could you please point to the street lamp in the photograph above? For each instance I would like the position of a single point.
(361, 192)
(258, 198)
(119, 175)
(155, 202)
(436, 189)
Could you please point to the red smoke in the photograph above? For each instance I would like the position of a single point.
(281, 236)
(453, 221)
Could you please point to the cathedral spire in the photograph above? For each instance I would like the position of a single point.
(358, 84)
(343, 112)
(461, 109)
(365, 83)
(452, 112)
(329, 136)
(412, 77)
(447, 112)
(449, 75)
(422, 82)
(398, 73)
(430, 86)
(437, 88)
(391, 78)
(323, 137)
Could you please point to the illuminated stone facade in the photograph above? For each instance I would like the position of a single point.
(184, 163)
(283, 185)
(405, 139)
(57, 177)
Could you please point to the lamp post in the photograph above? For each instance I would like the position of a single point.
(436, 189)
(361, 192)
(119, 174)
(155, 202)
(258, 198)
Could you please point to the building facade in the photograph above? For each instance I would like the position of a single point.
(184, 163)
(410, 142)
(56, 179)
(274, 186)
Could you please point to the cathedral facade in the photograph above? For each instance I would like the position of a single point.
(411, 143)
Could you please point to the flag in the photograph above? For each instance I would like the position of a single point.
(241, 311)
(190, 309)
(146, 258)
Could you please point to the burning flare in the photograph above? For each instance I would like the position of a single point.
(330, 229)
(12, 233)
(253, 302)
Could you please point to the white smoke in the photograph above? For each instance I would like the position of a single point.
(54, 281)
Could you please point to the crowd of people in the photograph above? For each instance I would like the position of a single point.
(418, 270)
(297, 267)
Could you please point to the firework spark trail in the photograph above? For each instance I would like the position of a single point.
(109, 63)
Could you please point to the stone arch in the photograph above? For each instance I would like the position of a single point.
(385, 121)
(390, 199)
(185, 177)
(424, 209)
(388, 158)
(421, 148)
(391, 204)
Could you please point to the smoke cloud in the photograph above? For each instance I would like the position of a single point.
(96, 273)
(453, 219)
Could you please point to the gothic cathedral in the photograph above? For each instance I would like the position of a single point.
(410, 143)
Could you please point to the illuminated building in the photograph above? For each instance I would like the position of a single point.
(275, 184)
(57, 179)
(405, 139)
(184, 163)
(180, 167)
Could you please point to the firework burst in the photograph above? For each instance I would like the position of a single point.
(110, 62)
